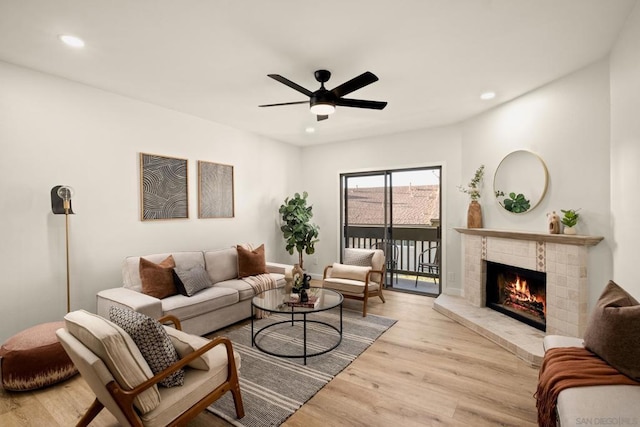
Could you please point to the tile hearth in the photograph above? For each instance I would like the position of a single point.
(520, 339)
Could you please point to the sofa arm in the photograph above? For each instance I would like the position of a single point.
(128, 298)
(274, 267)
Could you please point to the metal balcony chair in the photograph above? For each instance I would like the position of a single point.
(391, 253)
(429, 260)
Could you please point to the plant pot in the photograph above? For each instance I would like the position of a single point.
(474, 215)
(569, 230)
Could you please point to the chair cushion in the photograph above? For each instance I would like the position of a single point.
(157, 279)
(190, 281)
(351, 272)
(251, 262)
(152, 341)
(118, 351)
(354, 287)
(186, 344)
(613, 330)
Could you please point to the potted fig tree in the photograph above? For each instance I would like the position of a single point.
(299, 233)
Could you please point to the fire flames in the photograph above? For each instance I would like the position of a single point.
(520, 295)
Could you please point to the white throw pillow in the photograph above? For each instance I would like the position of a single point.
(186, 344)
(118, 351)
(352, 272)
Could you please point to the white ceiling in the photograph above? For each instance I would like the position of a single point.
(210, 58)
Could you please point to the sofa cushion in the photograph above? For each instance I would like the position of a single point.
(251, 262)
(244, 289)
(190, 281)
(117, 350)
(222, 264)
(157, 279)
(186, 344)
(351, 272)
(206, 300)
(613, 330)
(131, 266)
(152, 341)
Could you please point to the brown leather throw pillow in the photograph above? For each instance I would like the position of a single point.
(251, 263)
(157, 279)
(613, 331)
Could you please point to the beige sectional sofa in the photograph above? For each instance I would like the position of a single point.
(226, 301)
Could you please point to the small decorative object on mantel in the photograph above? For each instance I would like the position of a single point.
(570, 219)
(474, 213)
(554, 222)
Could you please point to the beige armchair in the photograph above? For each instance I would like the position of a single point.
(122, 381)
(360, 276)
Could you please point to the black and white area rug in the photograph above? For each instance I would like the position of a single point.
(273, 388)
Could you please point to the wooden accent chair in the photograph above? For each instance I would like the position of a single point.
(359, 276)
(114, 368)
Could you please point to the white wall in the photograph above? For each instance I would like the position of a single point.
(324, 163)
(567, 124)
(53, 131)
(625, 153)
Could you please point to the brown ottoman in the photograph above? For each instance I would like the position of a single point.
(34, 358)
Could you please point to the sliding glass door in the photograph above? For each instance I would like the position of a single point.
(397, 211)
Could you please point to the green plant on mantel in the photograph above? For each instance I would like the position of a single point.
(570, 218)
(472, 188)
(300, 234)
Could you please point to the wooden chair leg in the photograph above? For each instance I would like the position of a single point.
(381, 296)
(91, 413)
(364, 306)
(237, 400)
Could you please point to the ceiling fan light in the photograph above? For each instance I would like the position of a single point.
(322, 109)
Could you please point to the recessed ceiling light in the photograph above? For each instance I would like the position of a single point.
(310, 129)
(72, 41)
(487, 95)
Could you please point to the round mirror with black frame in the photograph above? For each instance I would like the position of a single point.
(520, 182)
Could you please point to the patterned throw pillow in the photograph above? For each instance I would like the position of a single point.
(191, 281)
(361, 258)
(152, 341)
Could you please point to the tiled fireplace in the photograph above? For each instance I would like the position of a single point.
(563, 259)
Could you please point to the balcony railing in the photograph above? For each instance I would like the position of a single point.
(409, 243)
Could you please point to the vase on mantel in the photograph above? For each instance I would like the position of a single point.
(474, 215)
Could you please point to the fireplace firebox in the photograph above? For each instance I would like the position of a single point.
(518, 293)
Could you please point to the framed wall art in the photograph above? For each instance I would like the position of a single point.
(215, 190)
(163, 187)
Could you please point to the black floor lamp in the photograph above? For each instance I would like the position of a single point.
(61, 204)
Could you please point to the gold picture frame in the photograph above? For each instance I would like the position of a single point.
(163, 187)
(215, 190)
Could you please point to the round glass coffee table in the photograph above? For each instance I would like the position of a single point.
(276, 301)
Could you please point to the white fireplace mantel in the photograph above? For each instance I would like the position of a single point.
(564, 239)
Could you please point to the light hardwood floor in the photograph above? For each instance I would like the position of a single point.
(425, 370)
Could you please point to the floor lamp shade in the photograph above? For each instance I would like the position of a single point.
(61, 204)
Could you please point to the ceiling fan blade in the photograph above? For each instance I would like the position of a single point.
(359, 103)
(291, 84)
(322, 118)
(355, 83)
(284, 103)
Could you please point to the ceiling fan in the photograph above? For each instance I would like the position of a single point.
(323, 101)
